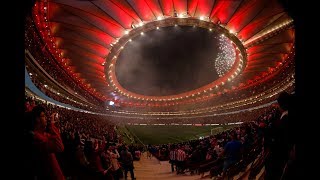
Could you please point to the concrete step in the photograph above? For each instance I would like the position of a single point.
(150, 169)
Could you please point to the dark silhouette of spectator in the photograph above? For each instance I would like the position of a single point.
(231, 152)
(181, 160)
(116, 167)
(149, 150)
(172, 157)
(277, 140)
(46, 141)
(127, 162)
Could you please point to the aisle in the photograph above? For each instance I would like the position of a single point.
(149, 169)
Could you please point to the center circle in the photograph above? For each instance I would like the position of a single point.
(169, 60)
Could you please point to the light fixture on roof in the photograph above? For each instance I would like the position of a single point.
(175, 14)
(132, 25)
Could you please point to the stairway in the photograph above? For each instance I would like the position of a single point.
(150, 169)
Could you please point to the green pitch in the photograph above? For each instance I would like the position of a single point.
(154, 134)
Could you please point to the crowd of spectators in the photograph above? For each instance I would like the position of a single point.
(85, 124)
(92, 145)
(92, 149)
(38, 49)
(224, 151)
(240, 116)
(59, 96)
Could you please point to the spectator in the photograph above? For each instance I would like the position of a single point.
(149, 149)
(180, 160)
(172, 157)
(127, 162)
(231, 152)
(277, 143)
(137, 154)
(46, 142)
(116, 168)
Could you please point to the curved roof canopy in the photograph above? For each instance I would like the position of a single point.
(90, 40)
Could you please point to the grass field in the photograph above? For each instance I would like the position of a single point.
(154, 134)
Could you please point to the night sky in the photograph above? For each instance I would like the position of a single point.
(168, 61)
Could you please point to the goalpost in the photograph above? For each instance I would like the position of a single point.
(216, 130)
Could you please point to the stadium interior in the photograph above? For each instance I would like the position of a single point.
(160, 77)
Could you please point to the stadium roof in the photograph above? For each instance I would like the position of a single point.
(86, 38)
